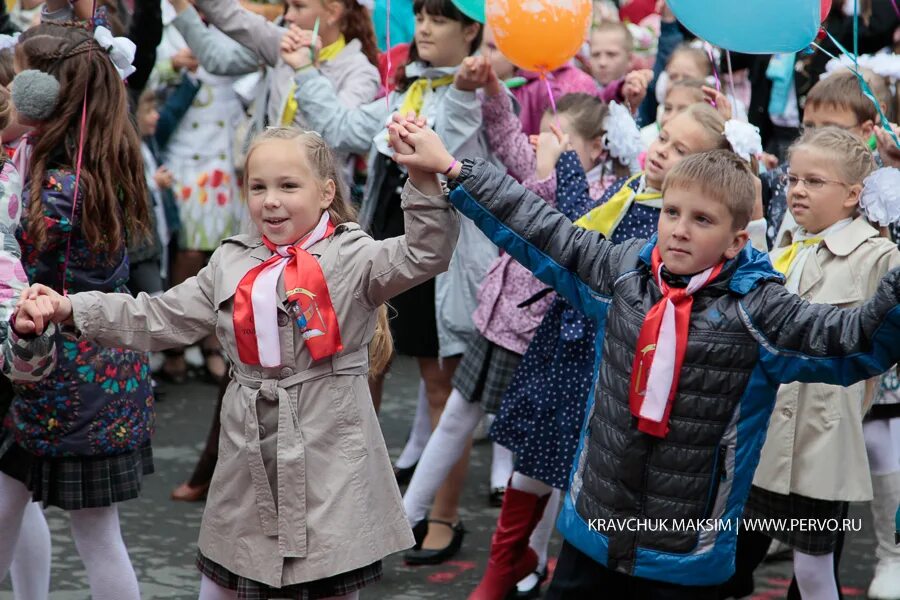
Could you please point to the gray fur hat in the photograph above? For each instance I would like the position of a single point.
(35, 94)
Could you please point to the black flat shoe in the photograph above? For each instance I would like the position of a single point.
(421, 556)
(420, 530)
(404, 474)
(534, 592)
(495, 498)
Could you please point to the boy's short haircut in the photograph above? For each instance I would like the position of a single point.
(719, 175)
(616, 26)
(842, 91)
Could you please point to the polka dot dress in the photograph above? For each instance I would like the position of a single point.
(542, 411)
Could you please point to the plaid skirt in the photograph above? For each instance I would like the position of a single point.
(484, 373)
(763, 504)
(76, 482)
(247, 589)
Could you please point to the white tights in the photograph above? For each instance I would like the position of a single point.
(815, 576)
(209, 590)
(444, 448)
(421, 431)
(881, 447)
(30, 570)
(97, 538)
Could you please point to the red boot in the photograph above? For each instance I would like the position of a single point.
(511, 558)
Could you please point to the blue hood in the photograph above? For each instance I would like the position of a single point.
(753, 267)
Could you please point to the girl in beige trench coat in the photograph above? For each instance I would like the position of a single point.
(303, 498)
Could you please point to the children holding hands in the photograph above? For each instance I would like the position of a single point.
(696, 333)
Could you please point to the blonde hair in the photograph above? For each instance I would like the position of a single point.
(712, 123)
(719, 175)
(325, 167)
(841, 91)
(616, 27)
(850, 154)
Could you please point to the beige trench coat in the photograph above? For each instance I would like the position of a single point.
(815, 446)
(303, 488)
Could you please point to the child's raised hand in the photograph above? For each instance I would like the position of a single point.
(37, 306)
(888, 150)
(397, 131)
(429, 154)
(719, 100)
(550, 145)
(474, 73)
(665, 13)
(296, 45)
(634, 89)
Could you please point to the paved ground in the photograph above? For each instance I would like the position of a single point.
(161, 534)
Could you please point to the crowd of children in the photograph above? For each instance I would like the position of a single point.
(662, 310)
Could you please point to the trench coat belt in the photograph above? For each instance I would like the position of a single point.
(286, 520)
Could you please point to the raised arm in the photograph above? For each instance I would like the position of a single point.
(245, 27)
(345, 129)
(183, 315)
(218, 55)
(576, 262)
(820, 343)
(171, 113)
(507, 140)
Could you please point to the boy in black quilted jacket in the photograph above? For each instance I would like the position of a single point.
(696, 333)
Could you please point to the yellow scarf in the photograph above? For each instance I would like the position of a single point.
(415, 93)
(606, 217)
(325, 54)
(784, 262)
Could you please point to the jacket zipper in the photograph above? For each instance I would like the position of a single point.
(720, 474)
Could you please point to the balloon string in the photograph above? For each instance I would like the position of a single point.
(78, 162)
(731, 78)
(896, 10)
(712, 62)
(552, 99)
(387, 77)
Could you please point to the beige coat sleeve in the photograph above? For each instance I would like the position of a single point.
(183, 315)
(383, 269)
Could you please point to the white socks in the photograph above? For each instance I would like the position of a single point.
(527, 484)
(30, 571)
(815, 576)
(102, 550)
(880, 447)
(421, 431)
(14, 498)
(209, 590)
(444, 448)
(501, 466)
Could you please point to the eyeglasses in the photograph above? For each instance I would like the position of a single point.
(810, 183)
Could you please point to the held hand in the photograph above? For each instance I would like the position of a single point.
(550, 146)
(39, 305)
(719, 100)
(429, 154)
(297, 47)
(474, 73)
(163, 178)
(888, 150)
(185, 59)
(634, 90)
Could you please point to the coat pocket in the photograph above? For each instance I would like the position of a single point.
(352, 440)
(719, 475)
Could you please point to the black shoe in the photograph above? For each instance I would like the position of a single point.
(495, 498)
(404, 474)
(421, 556)
(534, 592)
(420, 530)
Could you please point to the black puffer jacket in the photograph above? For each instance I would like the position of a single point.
(747, 336)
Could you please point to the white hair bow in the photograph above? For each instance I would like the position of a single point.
(8, 41)
(121, 50)
(744, 138)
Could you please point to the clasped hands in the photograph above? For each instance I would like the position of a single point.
(39, 306)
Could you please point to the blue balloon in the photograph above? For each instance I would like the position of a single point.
(752, 26)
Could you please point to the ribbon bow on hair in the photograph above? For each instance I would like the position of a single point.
(121, 50)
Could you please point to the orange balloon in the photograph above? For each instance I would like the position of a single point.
(539, 35)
